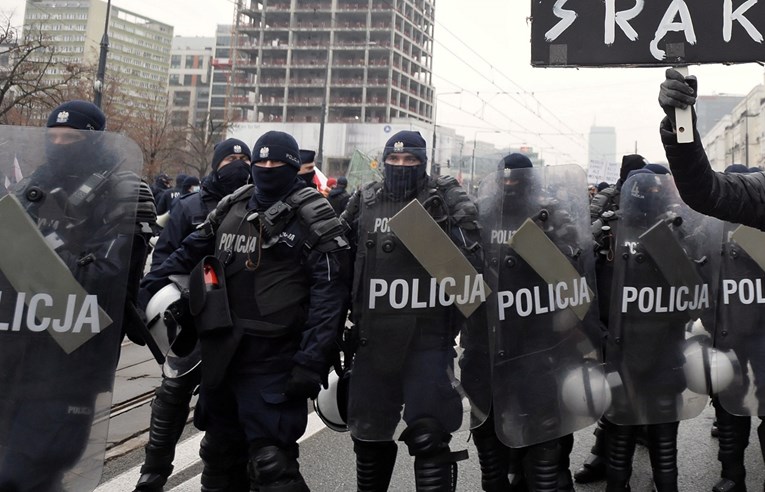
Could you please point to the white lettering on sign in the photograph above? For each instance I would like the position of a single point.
(544, 299)
(622, 18)
(567, 17)
(405, 293)
(729, 15)
(746, 290)
(77, 316)
(665, 300)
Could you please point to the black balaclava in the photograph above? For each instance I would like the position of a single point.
(67, 165)
(274, 183)
(233, 175)
(513, 167)
(225, 180)
(402, 182)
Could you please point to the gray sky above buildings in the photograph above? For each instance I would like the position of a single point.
(486, 87)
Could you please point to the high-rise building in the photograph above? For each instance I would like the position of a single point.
(364, 61)
(602, 144)
(711, 109)
(139, 47)
(190, 77)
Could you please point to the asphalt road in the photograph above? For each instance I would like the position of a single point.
(327, 460)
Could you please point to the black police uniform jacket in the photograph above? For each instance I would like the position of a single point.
(379, 253)
(289, 290)
(188, 213)
(738, 198)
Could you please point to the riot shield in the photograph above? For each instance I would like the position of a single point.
(547, 374)
(413, 288)
(740, 368)
(67, 229)
(662, 310)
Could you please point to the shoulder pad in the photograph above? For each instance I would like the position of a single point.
(461, 207)
(326, 230)
(215, 217)
(302, 195)
(351, 208)
(129, 195)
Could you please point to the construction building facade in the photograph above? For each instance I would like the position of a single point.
(355, 61)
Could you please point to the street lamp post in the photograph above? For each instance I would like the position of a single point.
(98, 85)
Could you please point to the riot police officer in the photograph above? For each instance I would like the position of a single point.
(732, 197)
(268, 295)
(604, 209)
(96, 215)
(170, 408)
(668, 253)
(405, 354)
(533, 223)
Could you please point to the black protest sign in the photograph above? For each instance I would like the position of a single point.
(600, 33)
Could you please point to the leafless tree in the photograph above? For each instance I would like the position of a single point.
(157, 137)
(34, 79)
(199, 144)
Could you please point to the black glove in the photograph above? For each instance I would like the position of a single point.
(677, 92)
(303, 384)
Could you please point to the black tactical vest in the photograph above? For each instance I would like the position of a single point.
(267, 285)
(382, 258)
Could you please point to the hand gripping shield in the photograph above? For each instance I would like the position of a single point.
(66, 228)
(739, 338)
(665, 279)
(413, 288)
(547, 378)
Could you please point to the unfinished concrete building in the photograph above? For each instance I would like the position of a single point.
(357, 61)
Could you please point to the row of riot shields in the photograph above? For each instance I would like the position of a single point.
(67, 207)
(533, 354)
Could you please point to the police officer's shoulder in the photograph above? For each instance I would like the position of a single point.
(462, 208)
(326, 232)
(131, 201)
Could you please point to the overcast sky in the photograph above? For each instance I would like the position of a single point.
(482, 54)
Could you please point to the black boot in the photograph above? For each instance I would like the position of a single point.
(662, 448)
(733, 436)
(225, 465)
(169, 412)
(621, 448)
(494, 458)
(374, 464)
(435, 466)
(542, 464)
(594, 467)
(565, 482)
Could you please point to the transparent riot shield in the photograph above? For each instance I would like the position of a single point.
(739, 368)
(662, 311)
(547, 374)
(66, 229)
(413, 290)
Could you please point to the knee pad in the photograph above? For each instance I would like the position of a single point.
(218, 451)
(426, 437)
(176, 391)
(273, 464)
